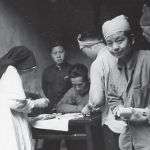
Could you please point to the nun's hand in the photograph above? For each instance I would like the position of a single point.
(20, 104)
(41, 102)
(17, 104)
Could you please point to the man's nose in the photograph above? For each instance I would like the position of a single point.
(77, 88)
(115, 47)
(58, 55)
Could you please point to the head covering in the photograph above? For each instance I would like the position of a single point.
(87, 39)
(119, 23)
(20, 57)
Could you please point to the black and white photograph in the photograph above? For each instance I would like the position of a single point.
(75, 74)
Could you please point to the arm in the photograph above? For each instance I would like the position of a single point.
(13, 89)
(96, 94)
(38, 103)
(116, 104)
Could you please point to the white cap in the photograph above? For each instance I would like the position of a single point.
(119, 23)
(89, 42)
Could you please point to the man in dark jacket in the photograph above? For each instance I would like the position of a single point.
(55, 83)
(55, 79)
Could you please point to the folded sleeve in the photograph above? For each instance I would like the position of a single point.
(12, 88)
(96, 94)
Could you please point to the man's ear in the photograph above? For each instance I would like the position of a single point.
(132, 39)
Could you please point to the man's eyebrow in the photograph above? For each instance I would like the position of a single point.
(120, 37)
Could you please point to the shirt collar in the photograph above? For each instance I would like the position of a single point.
(61, 66)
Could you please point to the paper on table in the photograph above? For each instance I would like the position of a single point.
(59, 123)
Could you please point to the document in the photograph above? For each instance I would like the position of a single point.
(59, 123)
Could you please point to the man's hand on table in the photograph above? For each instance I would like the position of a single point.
(86, 111)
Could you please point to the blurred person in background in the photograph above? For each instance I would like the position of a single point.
(55, 78)
(55, 83)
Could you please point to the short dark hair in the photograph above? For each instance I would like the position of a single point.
(55, 44)
(89, 35)
(79, 70)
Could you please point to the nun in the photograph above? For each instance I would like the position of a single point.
(14, 126)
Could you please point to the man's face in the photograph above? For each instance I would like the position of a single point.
(119, 44)
(58, 54)
(78, 84)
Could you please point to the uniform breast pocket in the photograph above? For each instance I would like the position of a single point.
(141, 96)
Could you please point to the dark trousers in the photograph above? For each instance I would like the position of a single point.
(76, 144)
(51, 145)
(70, 144)
(111, 139)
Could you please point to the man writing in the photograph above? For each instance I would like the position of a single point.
(77, 97)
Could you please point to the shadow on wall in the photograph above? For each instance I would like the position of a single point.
(15, 30)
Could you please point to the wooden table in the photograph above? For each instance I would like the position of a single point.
(87, 128)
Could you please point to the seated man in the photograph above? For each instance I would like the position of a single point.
(77, 97)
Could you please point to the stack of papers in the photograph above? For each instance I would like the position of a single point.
(59, 123)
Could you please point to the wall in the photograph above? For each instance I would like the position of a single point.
(15, 30)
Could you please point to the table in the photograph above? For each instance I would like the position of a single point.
(86, 128)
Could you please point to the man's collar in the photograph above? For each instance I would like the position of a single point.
(60, 66)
